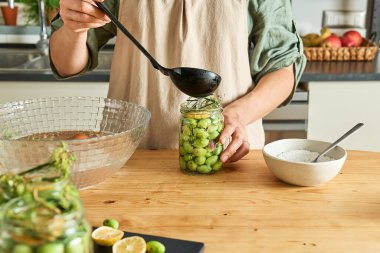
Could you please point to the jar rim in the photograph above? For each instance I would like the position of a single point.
(185, 109)
(188, 107)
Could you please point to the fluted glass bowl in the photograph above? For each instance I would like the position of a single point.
(121, 124)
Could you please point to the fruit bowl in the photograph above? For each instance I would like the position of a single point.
(107, 134)
(366, 52)
(328, 46)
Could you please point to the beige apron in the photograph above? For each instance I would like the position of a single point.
(208, 34)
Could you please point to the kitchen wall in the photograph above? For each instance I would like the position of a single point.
(308, 13)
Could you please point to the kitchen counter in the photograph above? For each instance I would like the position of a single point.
(47, 76)
(315, 71)
(243, 208)
(342, 71)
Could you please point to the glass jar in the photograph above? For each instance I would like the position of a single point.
(201, 123)
(47, 218)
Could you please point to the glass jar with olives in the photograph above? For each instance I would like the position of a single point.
(201, 123)
(45, 221)
(41, 211)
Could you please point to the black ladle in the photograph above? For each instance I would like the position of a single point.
(191, 81)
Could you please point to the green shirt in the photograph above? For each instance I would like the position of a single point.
(273, 38)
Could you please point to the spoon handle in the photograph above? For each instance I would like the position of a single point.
(114, 20)
(344, 136)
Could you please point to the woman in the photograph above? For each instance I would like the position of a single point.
(211, 35)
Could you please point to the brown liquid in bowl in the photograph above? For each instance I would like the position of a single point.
(63, 135)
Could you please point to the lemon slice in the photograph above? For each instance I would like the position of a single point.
(106, 236)
(198, 115)
(133, 244)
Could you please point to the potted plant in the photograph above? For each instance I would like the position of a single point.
(9, 14)
(32, 14)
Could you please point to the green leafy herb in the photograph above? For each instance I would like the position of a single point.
(210, 102)
(32, 14)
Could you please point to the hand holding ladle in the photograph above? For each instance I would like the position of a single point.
(191, 81)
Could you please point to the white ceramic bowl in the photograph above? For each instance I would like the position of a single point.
(303, 173)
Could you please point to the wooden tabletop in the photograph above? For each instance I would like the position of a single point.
(243, 208)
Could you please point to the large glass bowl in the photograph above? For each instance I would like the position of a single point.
(98, 157)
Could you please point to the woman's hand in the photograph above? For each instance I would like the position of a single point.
(234, 130)
(80, 15)
(68, 49)
(272, 90)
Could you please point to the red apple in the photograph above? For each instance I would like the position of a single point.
(332, 41)
(352, 39)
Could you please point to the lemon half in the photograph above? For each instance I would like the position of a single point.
(132, 244)
(198, 115)
(106, 236)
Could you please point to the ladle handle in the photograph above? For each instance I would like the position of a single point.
(344, 136)
(114, 20)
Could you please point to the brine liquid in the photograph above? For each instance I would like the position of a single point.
(63, 135)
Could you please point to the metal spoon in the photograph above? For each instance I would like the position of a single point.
(344, 136)
(191, 81)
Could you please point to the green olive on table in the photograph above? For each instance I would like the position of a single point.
(155, 247)
(111, 223)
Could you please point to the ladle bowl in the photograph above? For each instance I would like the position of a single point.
(191, 81)
(195, 82)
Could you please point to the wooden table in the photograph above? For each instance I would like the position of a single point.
(243, 208)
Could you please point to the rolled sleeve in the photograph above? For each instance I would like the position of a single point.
(96, 39)
(276, 43)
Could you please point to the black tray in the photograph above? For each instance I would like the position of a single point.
(172, 245)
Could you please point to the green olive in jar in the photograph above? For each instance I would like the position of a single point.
(51, 247)
(21, 248)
